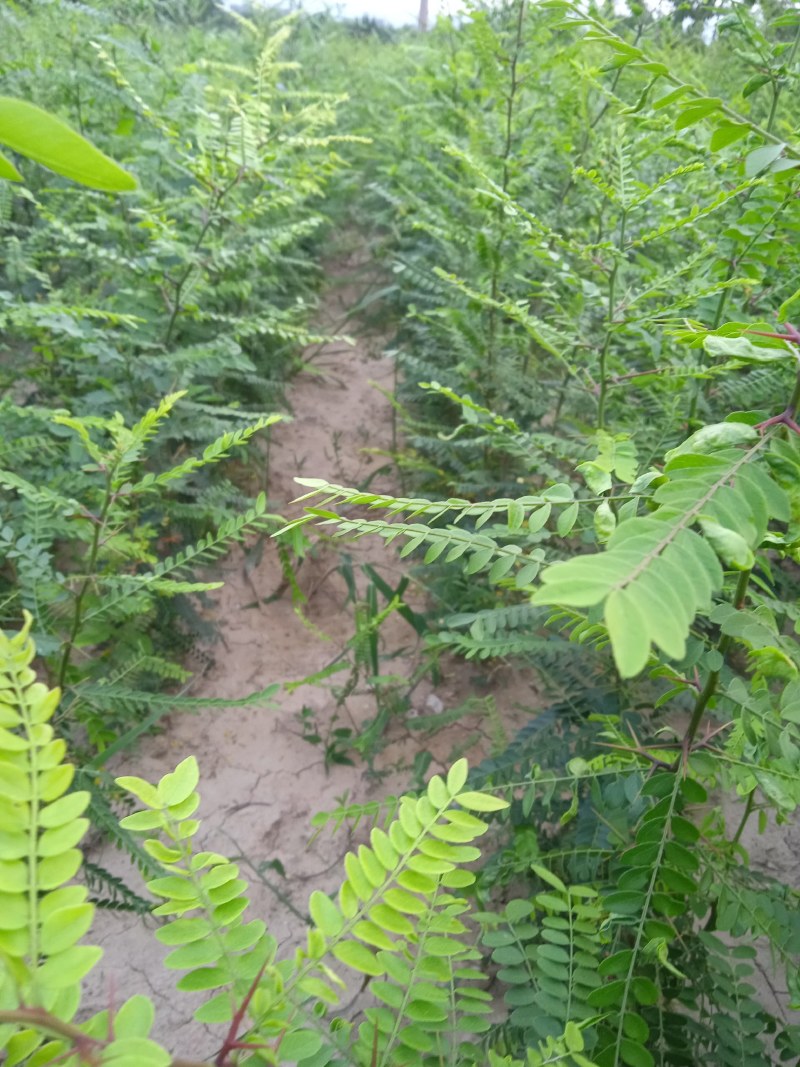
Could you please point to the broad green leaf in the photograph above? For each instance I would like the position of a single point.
(727, 133)
(13, 911)
(54, 871)
(390, 919)
(383, 848)
(713, 437)
(546, 876)
(218, 1009)
(60, 838)
(437, 792)
(761, 158)
(141, 821)
(405, 902)
(645, 991)
(745, 351)
(45, 139)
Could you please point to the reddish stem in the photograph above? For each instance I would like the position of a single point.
(231, 1041)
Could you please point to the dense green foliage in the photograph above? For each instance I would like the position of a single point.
(590, 227)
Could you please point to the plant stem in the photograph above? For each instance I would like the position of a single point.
(504, 184)
(748, 810)
(216, 200)
(612, 287)
(77, 615)
(84, 1045)
(735, 260)
(733, 263)
(710, 688)
(778, 86)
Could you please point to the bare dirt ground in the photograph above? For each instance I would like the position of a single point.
(260, 781)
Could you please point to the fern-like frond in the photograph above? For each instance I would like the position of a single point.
(658, 572)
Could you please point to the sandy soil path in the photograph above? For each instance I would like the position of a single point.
(260, 781)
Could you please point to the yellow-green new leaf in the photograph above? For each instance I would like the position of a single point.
(177, 786)
(325, 913)
(457, 776)
(359, 957)
(481, 802)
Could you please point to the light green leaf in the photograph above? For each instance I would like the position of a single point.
(710, 438)
(135, 1052)
(325, 914)
(629, 633)
(204, 978)
(299, 1045)
(65, 927)
(730, 546)
(68, 968)
(481, 802)
(142, 790)
(135, 1018)
(566, 519)
(64, 810)
(761, 158)
(183, 931)
(177, 786)
(745, 351)
(45, 139)
(726, 133)
(605, 521)
(457, 776)
(359, 957)
(538, 518)
(217, 1010)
